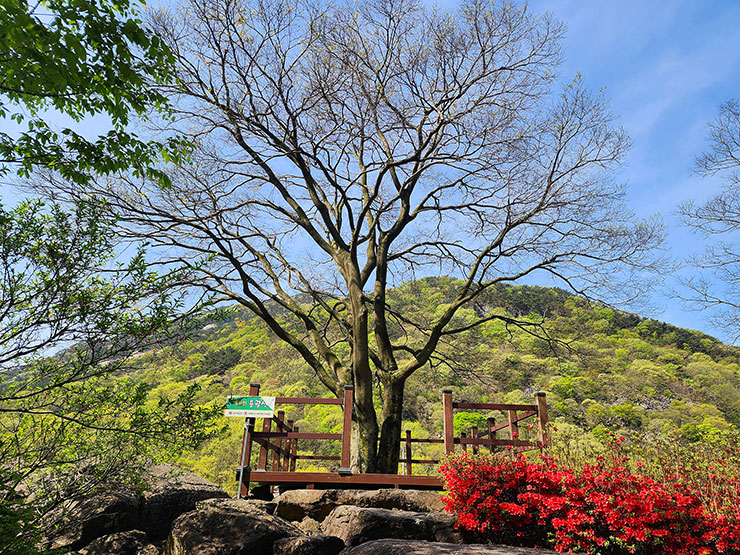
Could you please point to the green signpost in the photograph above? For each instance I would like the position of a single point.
(250, 407)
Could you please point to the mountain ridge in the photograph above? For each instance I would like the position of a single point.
(610, 370)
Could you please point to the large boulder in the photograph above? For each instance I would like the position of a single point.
(227, 528)
(246, 504)
(308, 545)
(172, 492)
(413, 547)
(82, 521)
(296, 505)
(356, 525)
(404, 500)
(132, 542)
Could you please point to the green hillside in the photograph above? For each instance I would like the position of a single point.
(601, 368)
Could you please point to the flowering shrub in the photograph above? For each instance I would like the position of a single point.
(602, 508)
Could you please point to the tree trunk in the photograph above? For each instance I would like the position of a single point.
(390, 436)
(364, 453)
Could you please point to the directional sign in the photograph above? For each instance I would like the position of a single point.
(250, 407)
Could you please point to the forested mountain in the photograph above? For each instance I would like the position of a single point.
(601, 369)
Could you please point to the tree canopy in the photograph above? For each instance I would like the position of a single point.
(80, 58)
(344, 147)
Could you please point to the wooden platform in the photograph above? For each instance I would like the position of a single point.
(332, 480)
(275, 462)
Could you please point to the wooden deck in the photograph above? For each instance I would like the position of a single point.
(274, 448)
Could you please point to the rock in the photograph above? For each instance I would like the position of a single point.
(247, 504)
(356, 525)
(405, 500)
(308, 545)
(406, 547)
(132, 542)
(297, 504)
(88, 519)
(309, 526)
(227, 528)
(173, 492)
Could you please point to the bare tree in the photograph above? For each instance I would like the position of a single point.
(344, 147)
(719, 216)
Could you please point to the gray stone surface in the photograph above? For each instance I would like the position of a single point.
(308, 545)
(83, 521)
(411, 547)
(131, 542)
(356, 525)
(227, 528)
(295, 505)
(248, 504)
(173, 492)
(309, 526)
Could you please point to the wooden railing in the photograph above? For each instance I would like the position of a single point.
(278, 443)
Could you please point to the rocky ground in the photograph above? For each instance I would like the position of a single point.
(183, 514)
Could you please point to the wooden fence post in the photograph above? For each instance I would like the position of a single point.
(294, 451)
(474, 435)
(288, 448)
(541, 401)
(408, 453)
(262, 461)
(513, 430)
(244, 470)
(447, 421)
(491, 432)
(344, 464)
(276, 454)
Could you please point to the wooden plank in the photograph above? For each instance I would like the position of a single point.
(269, 446)
(518, 418)
(447, 421)
(280, 424)
(318, 457)
(491, 406)
(485, 441)
(330, 479)
(294, 435)
(421, 440)
(346, 435)
(307, 401)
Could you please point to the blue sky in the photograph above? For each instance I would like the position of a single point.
(666, 66)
